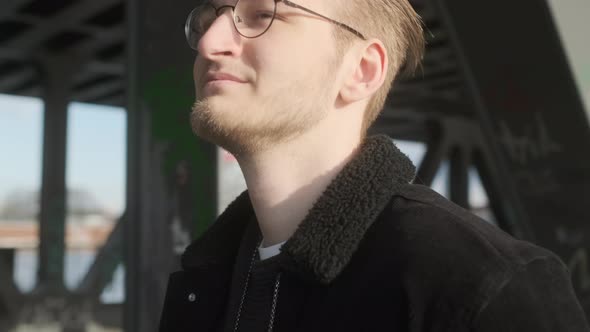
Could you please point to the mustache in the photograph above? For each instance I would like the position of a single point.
(207, 66)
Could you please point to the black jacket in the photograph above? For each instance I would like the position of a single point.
(376, 253)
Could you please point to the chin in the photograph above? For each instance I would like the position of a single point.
(217, 126)
(248, 130)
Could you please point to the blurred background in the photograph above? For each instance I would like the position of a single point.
(103, 185)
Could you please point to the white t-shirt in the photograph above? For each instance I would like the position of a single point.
(271, 251)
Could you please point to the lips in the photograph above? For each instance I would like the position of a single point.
(220, 76)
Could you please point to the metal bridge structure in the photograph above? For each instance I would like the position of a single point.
(495, 94)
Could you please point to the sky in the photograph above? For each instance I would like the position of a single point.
(96, 149)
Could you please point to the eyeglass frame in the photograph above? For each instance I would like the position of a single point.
(286, 2)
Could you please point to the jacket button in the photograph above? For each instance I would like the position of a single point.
(192, 297)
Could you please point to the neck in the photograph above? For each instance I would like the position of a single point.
(285, 181)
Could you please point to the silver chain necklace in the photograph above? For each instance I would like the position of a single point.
(274, 297)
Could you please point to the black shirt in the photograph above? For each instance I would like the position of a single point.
(257, 308)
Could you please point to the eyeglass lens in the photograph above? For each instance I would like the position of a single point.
(251, 18)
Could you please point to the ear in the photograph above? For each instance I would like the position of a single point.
(368, 73)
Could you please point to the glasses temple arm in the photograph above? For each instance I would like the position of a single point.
(292, 4)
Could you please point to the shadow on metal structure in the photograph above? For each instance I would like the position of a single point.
(172, 183)
(496, 92)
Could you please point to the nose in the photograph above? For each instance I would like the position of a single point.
(221, 39)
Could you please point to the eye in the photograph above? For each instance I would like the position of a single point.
(255, 17)
(204, 20)
(264, 15)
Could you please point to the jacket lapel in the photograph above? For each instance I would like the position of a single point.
(329, 235)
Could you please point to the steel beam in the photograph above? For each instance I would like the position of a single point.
(8, 7)
(104, 38)
(15, 79)
(98, 90)
(66, 19)
(435, 154)
(10, 295)
(101, 271)
(97, 32)
(56, 78)
(532, 118)
(459, 176)
(13, 54)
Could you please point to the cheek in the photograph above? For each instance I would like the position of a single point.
(199, 70)
(198, 67)
(283, 60)
(283, 68)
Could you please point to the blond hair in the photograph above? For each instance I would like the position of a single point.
(398, 26)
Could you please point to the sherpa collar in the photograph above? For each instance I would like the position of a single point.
(328, 236)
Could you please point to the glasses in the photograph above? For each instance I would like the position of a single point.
(251, 18)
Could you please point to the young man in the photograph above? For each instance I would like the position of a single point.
(331, 235)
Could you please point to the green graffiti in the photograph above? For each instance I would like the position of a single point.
(169, 95)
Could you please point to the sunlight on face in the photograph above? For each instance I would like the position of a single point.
(286, 90)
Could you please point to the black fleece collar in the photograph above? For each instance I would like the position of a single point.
(331, 232)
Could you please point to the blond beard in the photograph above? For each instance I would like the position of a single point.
(278, 119)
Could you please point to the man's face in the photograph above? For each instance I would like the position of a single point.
(284, 79)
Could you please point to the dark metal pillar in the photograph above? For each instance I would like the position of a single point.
(56, 75)
(172, 188)
(10, 296)
(459, 176)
